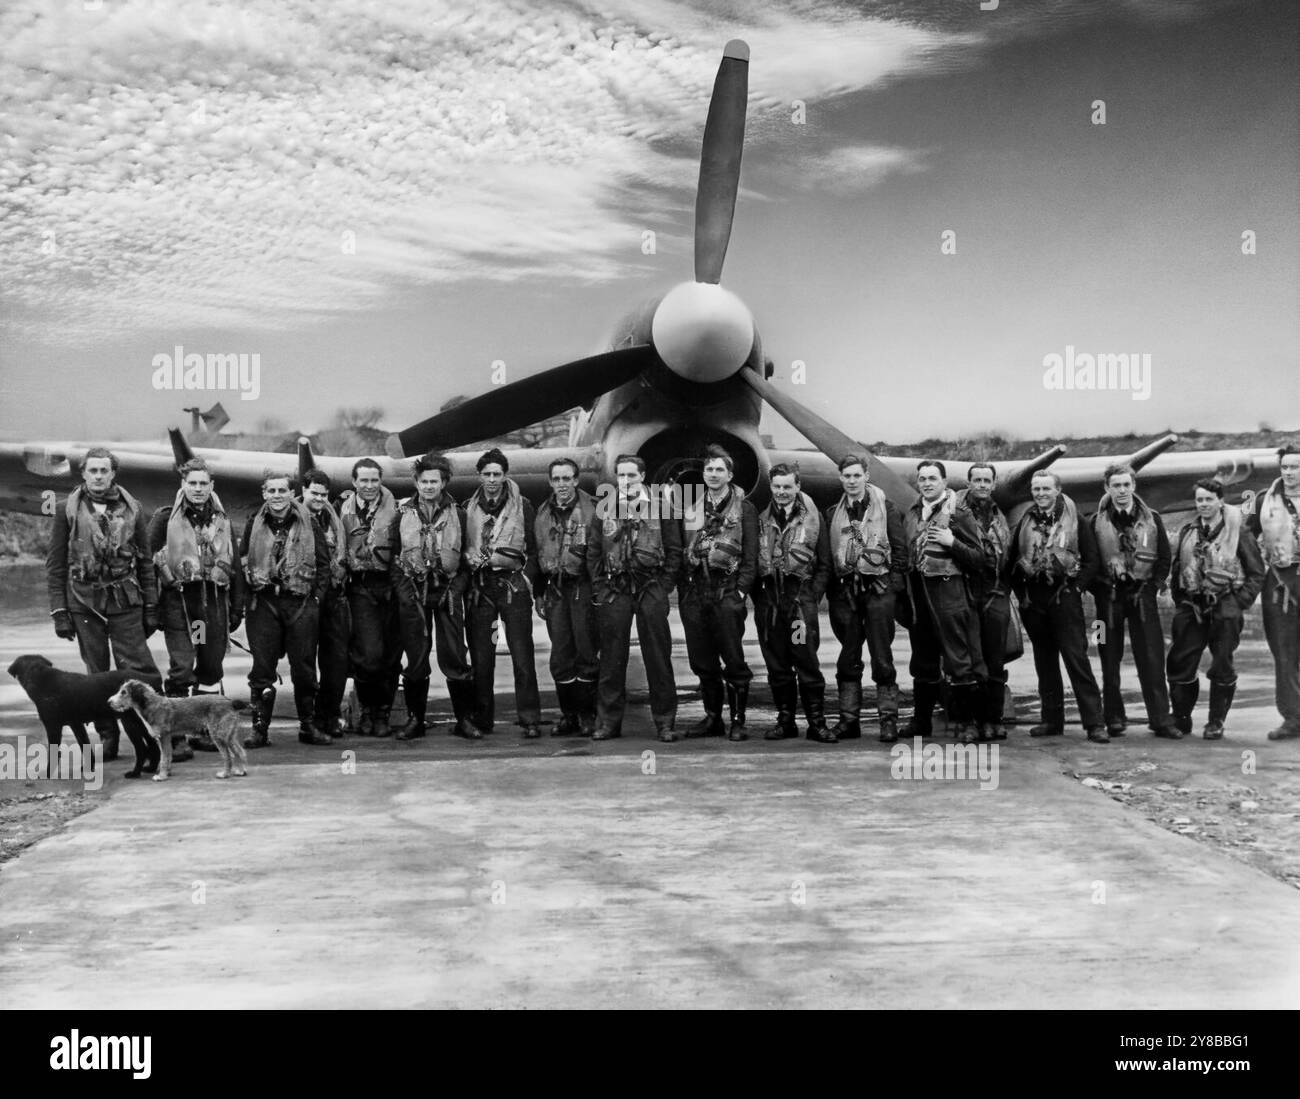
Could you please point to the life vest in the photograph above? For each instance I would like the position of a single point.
(505, 544)
(861, 545)
(790, 550)
(432, 546)
(931, 560)
(330, 527)
(196, 553)
(996, 536)
(634, 543)
(562, 540)
(1279, 528)
(102, 554)
(367, 539)
(717, 542)
(296, 567)
(1211, 567)
(1131, 552)
(1059, 545)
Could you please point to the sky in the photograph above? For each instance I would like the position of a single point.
(386, 201)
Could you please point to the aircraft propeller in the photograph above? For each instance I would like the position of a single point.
(700, 331)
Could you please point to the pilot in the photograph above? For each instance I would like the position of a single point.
(989, 592)
(862, 550)
(427, 538)
(1217, 573)
(501, 555)
(719, 564)
(287, 569)
(791, 579)
(1134, 552)
(565, 601)
(101, 580)
(367, 516)
(1054, 558)
(634, 552)
(1274, 519)
(944, 547)
(334, 631)
(194, 557)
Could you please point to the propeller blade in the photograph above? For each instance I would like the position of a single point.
(306, 460)
(829, 439)
(724, 140)
(1011, 491)
(180, 446)
(1140, 458)
(524, 402)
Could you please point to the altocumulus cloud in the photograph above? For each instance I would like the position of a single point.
(170, 165)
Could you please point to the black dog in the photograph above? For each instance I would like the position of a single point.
(71, 699)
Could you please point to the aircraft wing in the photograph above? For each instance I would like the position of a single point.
(1165, 477)
(36, 477)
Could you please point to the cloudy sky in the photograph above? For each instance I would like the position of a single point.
(381, 200)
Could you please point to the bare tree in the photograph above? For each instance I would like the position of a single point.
(358, 419)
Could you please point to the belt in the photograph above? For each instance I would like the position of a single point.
(280, 589)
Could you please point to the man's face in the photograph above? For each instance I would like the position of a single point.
(492, 477)
(564, 483)
(785, 489)
(1208, 505)
(367, 482)
(716, 475)
(629, 478)
(1120, 488)
(198, 487)
(854, 481)
(276, 494)
(1290, 467)
(98, 474)
(316, 497)
(429, 485)
(1044, 492)
(981, 482)
(929, 483)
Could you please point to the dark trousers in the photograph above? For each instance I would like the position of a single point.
(1053, 618)
(859, 616)
(122, 628)
(1282, 631)
(1189, 637)
(284, 625)
(1142, 618)
(945, 631)
(571, 625)
(334, 637)
(614, 614)
(994, 617)
(181, 610)
(373, 650)
(715, 637)
(506, 597)
(431, 619)
(788, 638)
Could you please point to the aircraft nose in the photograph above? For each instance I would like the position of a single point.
(702, 332)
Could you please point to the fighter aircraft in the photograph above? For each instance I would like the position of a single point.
(684, 369)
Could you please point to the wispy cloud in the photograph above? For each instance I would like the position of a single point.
(215, 164)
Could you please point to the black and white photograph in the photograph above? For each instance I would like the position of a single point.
(651, 504)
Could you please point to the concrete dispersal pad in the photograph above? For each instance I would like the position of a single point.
(723, 879)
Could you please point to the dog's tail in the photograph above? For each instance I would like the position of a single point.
(238, 704)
